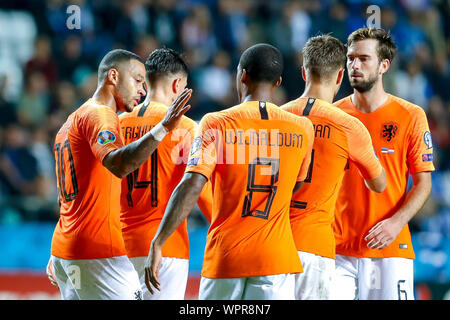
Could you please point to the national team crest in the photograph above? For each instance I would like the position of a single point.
(105, 137)
(389, 130)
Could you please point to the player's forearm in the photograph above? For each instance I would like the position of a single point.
(377, 184)
(204, 201)
(180, 205)
(125, 160)
(297, 187)
(415, 198)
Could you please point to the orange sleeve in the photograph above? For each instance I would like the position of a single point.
(420, 145)
(187, 141)
(309, 131)
(202, 157)
(205, 201)
(101, 129)
(361, 151)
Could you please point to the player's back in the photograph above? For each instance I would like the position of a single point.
(146, 191)
(255, 152)
(339, 138)
(89, 226)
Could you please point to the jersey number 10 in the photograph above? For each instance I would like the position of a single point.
(61, 171)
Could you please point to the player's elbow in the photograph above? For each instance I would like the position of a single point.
(119, 174)
(379, 188)
(297, 187)
(115, 166)
(118, 171)
(378, 184)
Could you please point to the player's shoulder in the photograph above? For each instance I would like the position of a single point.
(337, 115)
(294, 106)
(213, 118)
(298, 119)
(92, 111)
(187, 123)
(412, 109)
(344, 103)
(293, 119)
(129, 115)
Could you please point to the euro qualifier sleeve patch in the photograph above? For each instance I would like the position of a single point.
(105, 137)
(427, 157)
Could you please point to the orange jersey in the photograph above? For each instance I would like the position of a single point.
(402, 141)
(89, 223)
(146, 191)
(338, 138)
(254, 153)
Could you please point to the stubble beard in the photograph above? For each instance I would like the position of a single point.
(364, 86)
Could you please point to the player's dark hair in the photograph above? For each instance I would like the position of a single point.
(322, 56)
(164, 61)
(262, 62)
(386, 46)
(113, 59)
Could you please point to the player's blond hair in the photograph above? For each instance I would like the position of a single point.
(323, 55)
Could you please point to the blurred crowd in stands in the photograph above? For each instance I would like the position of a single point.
(48, 70)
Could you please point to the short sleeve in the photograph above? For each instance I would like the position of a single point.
(205, 201)
(309, 131)
(361, 150)
(101, 130)
(202, 156)
(188, 138)
(420, 145)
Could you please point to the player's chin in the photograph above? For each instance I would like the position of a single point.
(130, 106)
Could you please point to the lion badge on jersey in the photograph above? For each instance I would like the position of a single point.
(389, 131)
(105, 137)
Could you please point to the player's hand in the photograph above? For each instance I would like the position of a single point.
(152, 268)
(50, 274)
(176, 110)
(383, 233)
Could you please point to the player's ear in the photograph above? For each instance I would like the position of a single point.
(384, 66)
(340, 76)
(113, 76)
(278, 83)
(176, 85)
(303, 73)
(244, 76)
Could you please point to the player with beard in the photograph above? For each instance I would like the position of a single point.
(373, 244)
(339, 138)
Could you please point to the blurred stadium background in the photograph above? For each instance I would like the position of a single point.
(47, 70)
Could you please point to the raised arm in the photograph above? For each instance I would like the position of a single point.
(124, 160)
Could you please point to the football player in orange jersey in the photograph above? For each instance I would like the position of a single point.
(339, 138)
(373, 243)
(146, 191)
(257, 155)
(88, 256)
